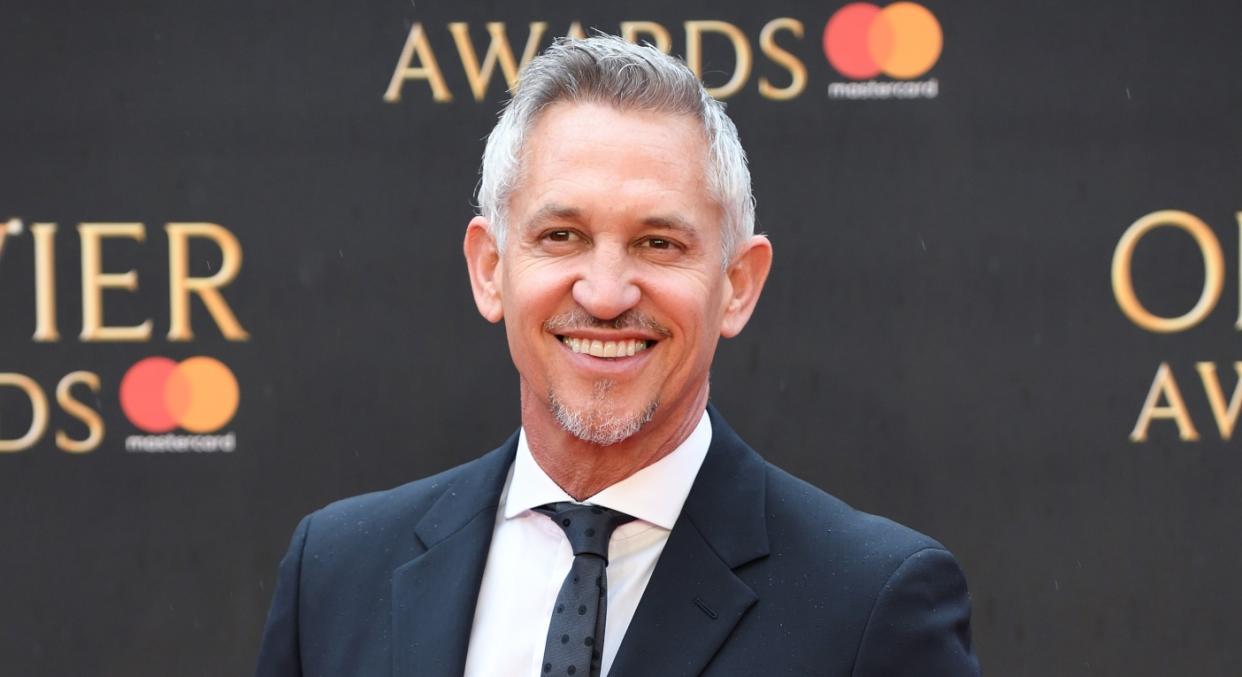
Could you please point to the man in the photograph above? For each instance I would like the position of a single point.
(625, 530)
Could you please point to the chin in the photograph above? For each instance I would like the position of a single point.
(598, 422)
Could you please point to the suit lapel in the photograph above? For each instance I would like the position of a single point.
(694, 598)
(434, 595)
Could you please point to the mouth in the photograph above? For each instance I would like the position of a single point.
(610, 350)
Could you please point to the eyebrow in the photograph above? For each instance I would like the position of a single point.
(558, 212)
(674, 223)
(552, 212)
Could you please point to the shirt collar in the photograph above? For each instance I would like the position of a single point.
(654, 494)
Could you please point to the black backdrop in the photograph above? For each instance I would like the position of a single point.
(939, 341)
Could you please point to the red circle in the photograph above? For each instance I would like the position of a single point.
(846, 41)
(142, 394)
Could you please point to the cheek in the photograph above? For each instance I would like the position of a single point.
(534, 292)
(697, 321)
(697, 301)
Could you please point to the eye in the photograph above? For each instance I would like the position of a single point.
(560, 235)
(660, 244)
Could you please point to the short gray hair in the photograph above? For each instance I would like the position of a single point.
(606, 69)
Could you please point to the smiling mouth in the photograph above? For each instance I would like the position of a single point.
(606, 349)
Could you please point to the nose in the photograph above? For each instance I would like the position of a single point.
(606, 287)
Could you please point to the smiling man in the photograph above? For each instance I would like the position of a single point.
(624, 530)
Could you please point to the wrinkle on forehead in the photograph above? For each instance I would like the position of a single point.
(540, 121)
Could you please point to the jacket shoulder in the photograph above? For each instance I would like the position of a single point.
(411, 498)
(896, 599)
(385, 521)
(809, 519)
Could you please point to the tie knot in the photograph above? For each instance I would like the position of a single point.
(588, 527)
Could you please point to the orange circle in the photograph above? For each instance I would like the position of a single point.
(916, 40)
(903, 40)
(212, 394)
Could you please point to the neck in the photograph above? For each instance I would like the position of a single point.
(583, 469)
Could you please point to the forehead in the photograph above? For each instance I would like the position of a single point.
(600, 120)
(583, 152)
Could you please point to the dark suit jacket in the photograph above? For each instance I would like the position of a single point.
(763, 574)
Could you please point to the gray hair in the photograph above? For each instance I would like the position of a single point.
(607, 69)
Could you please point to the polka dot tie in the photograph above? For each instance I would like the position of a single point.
(576, 634)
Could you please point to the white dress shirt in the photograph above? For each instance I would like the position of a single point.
(530, 556)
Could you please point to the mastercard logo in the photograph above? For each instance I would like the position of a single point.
(199, 394)
(901, 41)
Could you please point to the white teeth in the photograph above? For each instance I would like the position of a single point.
(598, 348)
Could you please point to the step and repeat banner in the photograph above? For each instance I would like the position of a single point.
(1004, 309)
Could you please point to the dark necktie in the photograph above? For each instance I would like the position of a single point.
(576, 635)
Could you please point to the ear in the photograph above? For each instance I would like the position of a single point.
(747, 272)
(483, 263)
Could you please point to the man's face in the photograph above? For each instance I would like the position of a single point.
(611, 282)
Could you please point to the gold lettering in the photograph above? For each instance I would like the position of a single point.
(428, 69)
(741, 48)
(45, 282)
(11, 226)
(94, 281)
(1226, 417)
(1238, 324)
(797, 71)
(180, 284)
(1164, 384)
(498, 51)
(1213, 271)
(38, 408)
(75, 408)
(630, 30)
